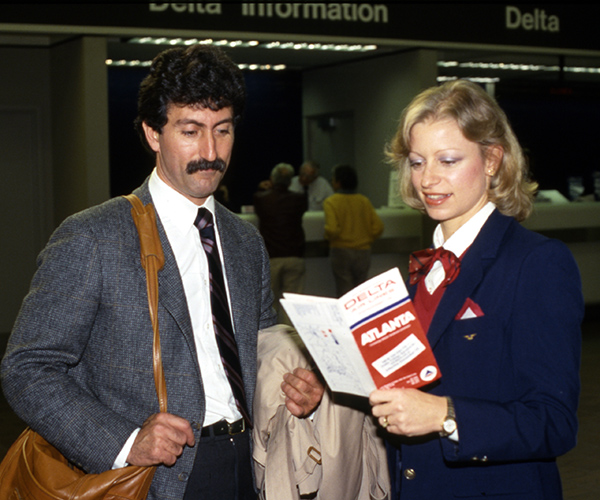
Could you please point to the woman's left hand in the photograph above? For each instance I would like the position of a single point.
(408, 412)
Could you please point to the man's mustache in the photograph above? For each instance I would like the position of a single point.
(217, 165)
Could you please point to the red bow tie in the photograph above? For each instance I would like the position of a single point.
(420, 264)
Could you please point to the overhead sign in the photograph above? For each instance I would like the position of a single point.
(561, 26)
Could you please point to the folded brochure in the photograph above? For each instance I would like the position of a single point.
(369, 338)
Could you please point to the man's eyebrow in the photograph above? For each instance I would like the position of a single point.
(191, 121)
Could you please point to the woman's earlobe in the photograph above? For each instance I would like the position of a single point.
(494, 156)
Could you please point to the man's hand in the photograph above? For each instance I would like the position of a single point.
(161, 440)
(303, 392)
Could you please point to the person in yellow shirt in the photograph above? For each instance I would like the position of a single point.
(351, 227)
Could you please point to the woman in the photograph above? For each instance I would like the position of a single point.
(503, 313)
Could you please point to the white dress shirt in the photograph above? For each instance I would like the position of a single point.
(177, 215)
(457, 243)
(318, 190)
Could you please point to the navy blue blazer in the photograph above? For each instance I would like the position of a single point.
(513, 372)
(78, 366)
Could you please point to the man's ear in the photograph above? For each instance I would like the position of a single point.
(152, 137)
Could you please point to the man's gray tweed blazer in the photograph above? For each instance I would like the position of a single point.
(78, 366)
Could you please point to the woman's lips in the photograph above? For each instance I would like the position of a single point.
(435, 199)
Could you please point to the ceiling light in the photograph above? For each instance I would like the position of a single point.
(148, 40)
(517, 67)
(475, 79)
(129, 64)
(144, 64)
(340, 47)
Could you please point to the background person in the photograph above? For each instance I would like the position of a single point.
(351, 227)
(279, 213)
(309, 181)
(502, 313)
(78, 365)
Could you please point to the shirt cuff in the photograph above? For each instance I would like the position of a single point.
(453, 436)
(121, 460)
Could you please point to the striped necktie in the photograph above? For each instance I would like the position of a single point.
(220, 312)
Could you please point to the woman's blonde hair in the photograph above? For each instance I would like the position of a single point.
(481, 120)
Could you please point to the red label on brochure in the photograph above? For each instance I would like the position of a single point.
(395, 348)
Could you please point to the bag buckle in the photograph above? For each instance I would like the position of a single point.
(314, 454)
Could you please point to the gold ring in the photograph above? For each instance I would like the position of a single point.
(384, 422)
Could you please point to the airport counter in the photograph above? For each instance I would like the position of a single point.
(406, 230)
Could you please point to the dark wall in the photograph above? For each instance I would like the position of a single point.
(130, 163)
(271, 132)
(559, 126)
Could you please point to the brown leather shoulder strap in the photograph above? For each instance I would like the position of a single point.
(153, 260)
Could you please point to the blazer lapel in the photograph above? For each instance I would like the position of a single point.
(235, 264)
(241, 279)
(475, 262)
(171, 294)
(455, 296)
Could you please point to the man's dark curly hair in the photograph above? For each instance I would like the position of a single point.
(195, 76)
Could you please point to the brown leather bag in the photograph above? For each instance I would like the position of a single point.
(33, 469)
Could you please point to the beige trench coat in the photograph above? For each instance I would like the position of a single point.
(336, 454)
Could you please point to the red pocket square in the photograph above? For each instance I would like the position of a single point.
(469, 310)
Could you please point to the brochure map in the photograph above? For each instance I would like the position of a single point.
(369, 338)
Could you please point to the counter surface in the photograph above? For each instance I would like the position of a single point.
(406, 230)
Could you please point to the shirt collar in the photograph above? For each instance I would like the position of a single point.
(466, 234)
(173, 207)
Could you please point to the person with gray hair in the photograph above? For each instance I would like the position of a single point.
(282, 174)
(280, 214)
(315, 186)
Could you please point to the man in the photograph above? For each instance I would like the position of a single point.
(78, 366)
(313, 184)
(280, 214)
